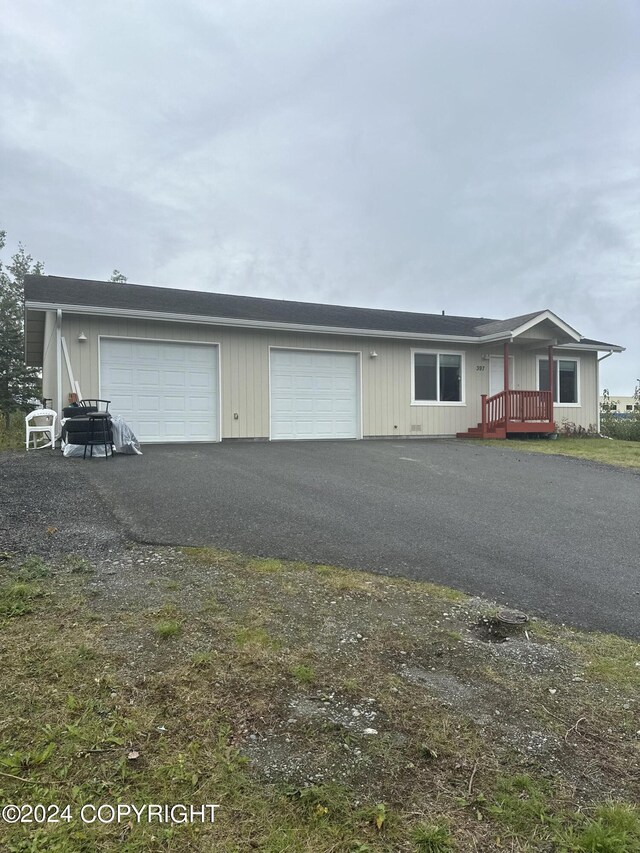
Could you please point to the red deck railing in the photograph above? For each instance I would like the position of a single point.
(516, 407)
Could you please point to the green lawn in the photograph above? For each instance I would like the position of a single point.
(625, 454)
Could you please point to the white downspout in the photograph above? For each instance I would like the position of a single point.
(59, 361)
(598, 383)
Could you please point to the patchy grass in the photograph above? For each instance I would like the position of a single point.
(304, 674)
(17, 598)
(253, 636)
(32, 568)
(610, 659)
(323, 710)
(431, 838)
(522, 804)
(78, 565)
(613, 828)
(13, 437)
(167, 628)
(624, 454)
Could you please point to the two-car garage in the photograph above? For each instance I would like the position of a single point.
(170, 391)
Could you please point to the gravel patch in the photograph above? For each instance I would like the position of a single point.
(50, 508)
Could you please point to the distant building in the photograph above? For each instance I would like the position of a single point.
(622, 405)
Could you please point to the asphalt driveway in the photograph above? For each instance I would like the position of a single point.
(554, 536)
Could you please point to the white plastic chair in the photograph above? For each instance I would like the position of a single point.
(44, 424)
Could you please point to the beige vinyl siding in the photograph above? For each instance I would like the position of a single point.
(586, 414)
(386, 380)
(543, 331)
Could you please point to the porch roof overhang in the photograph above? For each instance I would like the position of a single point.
(594, 346)
(541, 326)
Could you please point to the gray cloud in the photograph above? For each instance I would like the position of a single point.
(477, 157)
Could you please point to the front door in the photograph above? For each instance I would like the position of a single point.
(496, 374)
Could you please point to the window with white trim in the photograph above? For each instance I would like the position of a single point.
(565, 380)
(437, 377)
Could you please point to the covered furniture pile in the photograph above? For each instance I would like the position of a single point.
(87, 425)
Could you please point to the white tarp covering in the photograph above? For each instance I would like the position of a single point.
(124, 439)
(72, 450)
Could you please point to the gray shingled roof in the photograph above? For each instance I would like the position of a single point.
(494, 327)
(134, 297)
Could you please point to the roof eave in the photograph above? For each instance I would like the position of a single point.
(251, 324)
(593, 347)
(236, 322)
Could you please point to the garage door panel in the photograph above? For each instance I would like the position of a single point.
(174, 427)
(145, 378)
(121, 403)
(314, 395)
(199, 357)
(342, 383)
(165, 391)
(149, 403)
(303, 382)
(198, 430)
(125, 352)
(119, 375)
(284, 405)
(174, 403)
(173, 355)
(305, 428)
(143, 351)
(200, 379)
(174, 378)
(342, 407)
(149, 428)
(199, 405)
(282, 383)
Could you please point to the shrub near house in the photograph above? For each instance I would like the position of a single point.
(616, 424)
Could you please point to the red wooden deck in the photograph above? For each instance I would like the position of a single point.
(514, 411)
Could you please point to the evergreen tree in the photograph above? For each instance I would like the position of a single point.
(19, 384)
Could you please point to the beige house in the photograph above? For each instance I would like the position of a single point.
(186, 366)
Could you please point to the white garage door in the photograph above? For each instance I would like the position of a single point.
(314, 394)
(165, 391)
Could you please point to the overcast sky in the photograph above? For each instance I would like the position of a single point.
(479, 157)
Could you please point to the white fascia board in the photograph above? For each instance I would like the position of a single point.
(547, 315)
(285, 327)
(592, 347)
(255, 324)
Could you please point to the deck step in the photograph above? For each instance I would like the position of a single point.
(477, 432)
